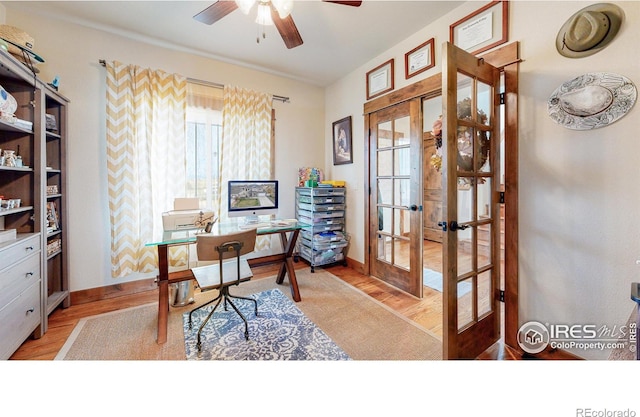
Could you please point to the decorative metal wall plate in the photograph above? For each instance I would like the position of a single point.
(592, 100)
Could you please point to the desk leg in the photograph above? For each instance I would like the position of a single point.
(163, 293)
(287, 266)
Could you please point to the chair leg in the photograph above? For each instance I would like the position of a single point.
(246, 325)
(226, 297)
(198, 308)
(199, 344)
(255, 302)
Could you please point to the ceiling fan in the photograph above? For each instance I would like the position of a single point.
(276, 11)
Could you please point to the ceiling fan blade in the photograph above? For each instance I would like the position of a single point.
(287, 29)
(216, 11)
(345, 3)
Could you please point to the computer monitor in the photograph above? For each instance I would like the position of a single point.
(252, 198)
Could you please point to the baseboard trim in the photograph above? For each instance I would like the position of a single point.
(150, 284)
(113, 291)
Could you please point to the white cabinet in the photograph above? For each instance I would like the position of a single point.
(323, 238)
(20, 291)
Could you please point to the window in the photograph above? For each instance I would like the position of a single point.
(204, 132)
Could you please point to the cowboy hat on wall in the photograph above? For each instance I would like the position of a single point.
(589, 30)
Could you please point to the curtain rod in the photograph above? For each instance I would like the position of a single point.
(212, 84)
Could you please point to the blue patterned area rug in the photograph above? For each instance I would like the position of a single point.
(280, 332)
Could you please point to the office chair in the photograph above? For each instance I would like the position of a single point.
(224, 274)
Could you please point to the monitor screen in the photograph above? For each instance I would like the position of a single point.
(252, 198)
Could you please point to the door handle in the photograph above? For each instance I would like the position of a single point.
(454, 226)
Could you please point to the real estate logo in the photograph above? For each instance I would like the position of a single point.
(533, 337)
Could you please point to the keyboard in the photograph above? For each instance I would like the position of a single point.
(254, 226)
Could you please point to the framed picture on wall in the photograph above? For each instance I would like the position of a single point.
(342, 142)
(483, 29)
(380, 80)
(419, 59)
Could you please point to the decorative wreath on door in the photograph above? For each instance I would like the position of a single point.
(465, 146)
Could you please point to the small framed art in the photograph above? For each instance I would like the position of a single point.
(342, 142)
(380, 80)
(419, 59)
(483, 29)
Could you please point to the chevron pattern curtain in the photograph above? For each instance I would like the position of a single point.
(246, 141)
(145, 159)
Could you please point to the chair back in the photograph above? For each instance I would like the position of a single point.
(207, 245)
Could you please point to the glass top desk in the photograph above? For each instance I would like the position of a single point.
(187, 237)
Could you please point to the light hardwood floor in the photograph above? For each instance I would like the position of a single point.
(427, 312)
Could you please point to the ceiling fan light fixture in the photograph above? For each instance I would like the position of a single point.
(264, 14)
(245, 5)
(283, 7)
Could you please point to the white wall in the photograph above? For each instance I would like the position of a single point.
(579, 197)
(72, 52)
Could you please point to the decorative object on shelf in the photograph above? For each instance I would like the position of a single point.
(380, 79)
(9, 158)
(483, 29)
(54, 246)
(465, 146)
(305, 174)
(54, 83)
(20, 45)
(52, 190)
(8, 103)
(419, 59)
(592, 100)
(53, 222)
(342, 142)
(51, 123)
(589, 30)
(12, 203)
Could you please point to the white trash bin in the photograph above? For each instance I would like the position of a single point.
(181, 293)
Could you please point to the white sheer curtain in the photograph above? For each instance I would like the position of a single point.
(246, 137)
(246, 142)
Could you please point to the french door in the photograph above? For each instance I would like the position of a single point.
(471, 191)
(469, 213)
(395, 198)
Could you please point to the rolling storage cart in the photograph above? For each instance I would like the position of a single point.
(323, 238)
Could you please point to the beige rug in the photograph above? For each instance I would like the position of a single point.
(363, 327)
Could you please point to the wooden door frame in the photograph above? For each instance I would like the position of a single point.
(507, 59)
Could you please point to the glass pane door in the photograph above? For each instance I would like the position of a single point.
(395, 199)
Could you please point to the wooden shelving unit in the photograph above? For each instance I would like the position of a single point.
(33, 280)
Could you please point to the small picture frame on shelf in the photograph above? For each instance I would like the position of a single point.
(51, 123)
(53, 222)
(52, 190)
